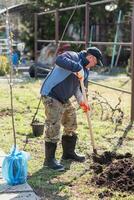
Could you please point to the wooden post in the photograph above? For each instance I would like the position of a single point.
(87, 24)
(132, 67)
(57, 26)
(35, 36)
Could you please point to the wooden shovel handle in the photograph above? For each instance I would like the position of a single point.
(88, 117)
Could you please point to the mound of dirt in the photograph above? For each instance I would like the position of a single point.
(107, 157)
(117, 173)
(104, 194)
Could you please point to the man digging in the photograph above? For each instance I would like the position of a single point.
(59, 86)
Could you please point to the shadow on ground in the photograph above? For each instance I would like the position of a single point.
(49, 185)
(121, 139)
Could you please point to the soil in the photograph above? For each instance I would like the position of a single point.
(116, 171)
(104, 194)
(5, 112)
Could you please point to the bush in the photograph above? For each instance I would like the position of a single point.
(4, 65)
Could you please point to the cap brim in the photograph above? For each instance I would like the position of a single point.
(100, 63)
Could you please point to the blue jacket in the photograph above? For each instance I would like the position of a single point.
(61, 83)
(15, 58)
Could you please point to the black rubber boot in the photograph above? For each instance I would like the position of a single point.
(68, 144)
(50, 160)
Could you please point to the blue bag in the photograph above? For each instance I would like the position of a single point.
(14, 167)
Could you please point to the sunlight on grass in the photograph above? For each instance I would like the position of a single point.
(71, 184)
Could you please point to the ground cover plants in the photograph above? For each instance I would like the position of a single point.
(80, 180)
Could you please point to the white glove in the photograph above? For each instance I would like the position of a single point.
(80, 74)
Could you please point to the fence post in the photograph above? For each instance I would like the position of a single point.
(91, 35)
(116, 39)
(132, 67)
(35, 35)
(87, 10)
(57, 26)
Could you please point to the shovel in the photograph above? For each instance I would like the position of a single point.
(88, 117)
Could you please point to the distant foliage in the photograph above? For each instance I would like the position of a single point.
(4, 65)
(98, 16)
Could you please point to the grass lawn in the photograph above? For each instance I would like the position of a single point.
(109, 122)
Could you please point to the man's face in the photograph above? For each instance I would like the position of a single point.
(92, 61)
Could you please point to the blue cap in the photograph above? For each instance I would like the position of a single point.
(97, 53)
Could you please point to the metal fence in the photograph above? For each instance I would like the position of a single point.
(87, 7)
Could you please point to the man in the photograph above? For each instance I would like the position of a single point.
(59, 86)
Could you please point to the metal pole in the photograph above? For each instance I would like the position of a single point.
(116, 39)
(118, 55)
(91, 35)
(109, 87)
(111, 43)
(87, 24)
(56, 26)
(77, 6)
(35, 35)
(97, 32)
(132, 67)
(93, 42)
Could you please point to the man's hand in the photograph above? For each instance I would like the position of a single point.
(80, 74)
(85, 107)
